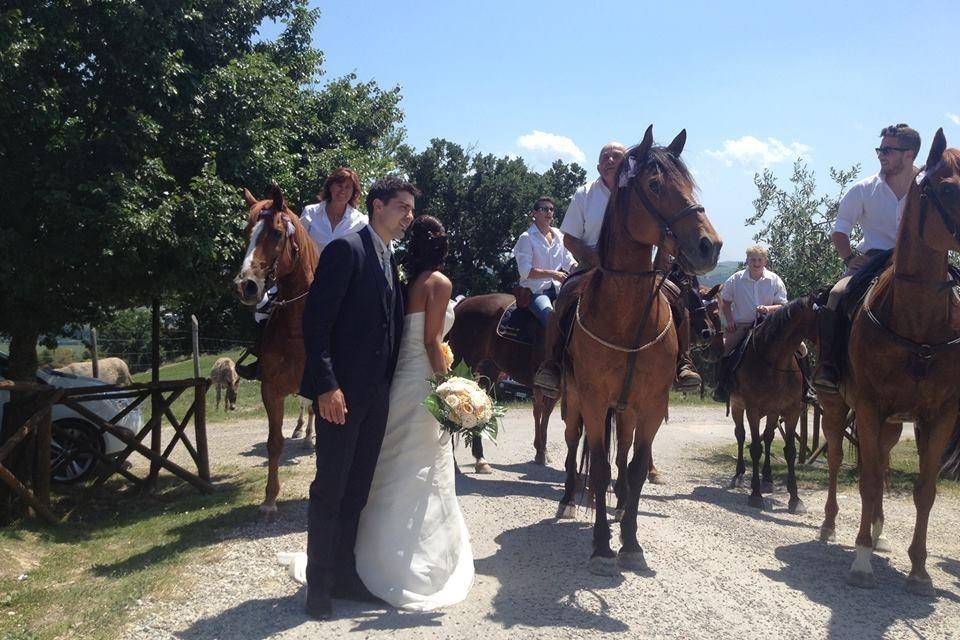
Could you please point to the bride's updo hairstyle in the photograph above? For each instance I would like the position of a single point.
(426, 247)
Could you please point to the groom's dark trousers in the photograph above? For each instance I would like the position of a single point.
(351, 331)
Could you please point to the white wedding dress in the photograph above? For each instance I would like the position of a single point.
(413, 548)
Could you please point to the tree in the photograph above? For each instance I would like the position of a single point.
(128, 130)
(484, 202)
(797, 224)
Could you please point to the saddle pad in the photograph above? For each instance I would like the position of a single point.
(518, 325)
(736, 356)
(860, 281)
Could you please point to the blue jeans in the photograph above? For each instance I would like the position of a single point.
(542, 305)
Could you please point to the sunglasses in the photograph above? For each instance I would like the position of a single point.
(882, 151)
(544, 209)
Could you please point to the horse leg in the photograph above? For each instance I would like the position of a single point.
(273, 403)
(310, 419)
(654, 475)
(567, 509)
(889, 436)
(756, 449)
(766, 485)
(933, 436)
(298, 430)
(790, 453)
(539, 439)
(631, 554)
(620, 487)
(216, 403)
(548, 405)
(603, 559)
(833, 426)
(869, 424)
(736, 410)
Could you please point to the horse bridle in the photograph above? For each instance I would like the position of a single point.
(929, 195)
(663, 222)
(271, 275)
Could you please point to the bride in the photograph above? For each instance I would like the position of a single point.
(413, 548)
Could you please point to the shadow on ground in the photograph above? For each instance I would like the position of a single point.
(819, 571)
(735, 501)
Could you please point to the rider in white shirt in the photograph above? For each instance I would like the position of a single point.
(875, 204)
(542, 260)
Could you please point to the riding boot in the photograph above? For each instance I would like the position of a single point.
(251, 370)
(827, 377)
(687, 380)
(547, 378)
(721, 393)
(804, 362)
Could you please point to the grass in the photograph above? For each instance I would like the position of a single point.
(903, 468)
(84, 577)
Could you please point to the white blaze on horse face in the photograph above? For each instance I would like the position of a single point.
(248, 259)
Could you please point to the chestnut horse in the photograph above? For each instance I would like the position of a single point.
(281, 253)
(902, 365)
(474, 339)
(622, 350)
(769, 383)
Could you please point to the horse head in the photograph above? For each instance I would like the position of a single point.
(940, 190)
(275, 239)
(657, 204)
(711, 347)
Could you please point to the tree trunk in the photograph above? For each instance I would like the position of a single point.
(23, 368)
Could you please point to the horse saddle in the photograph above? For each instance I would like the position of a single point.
(736, 356)
(518, 325)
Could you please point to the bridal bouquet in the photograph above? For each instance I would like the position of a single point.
(462, 407)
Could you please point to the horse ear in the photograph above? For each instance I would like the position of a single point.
(641, 149)
(248, 197)
(937, 147)
(276, 194)
(712, 293)
(676, 147)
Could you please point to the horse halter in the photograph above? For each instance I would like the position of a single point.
(928, 194)
(665, 223)
(271, 276)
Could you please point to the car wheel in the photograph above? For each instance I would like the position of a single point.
(73, 450)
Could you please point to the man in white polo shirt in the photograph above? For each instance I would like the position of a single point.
(542, 259)
(746, 295)
(876, 206)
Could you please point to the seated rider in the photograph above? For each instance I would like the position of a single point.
(746, 295)
(876, 205)
(542, 260)
(333, 217)
(581, 232)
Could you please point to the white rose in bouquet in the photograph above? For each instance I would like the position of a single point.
(468, 420)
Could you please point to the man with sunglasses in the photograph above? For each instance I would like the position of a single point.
(876, 206)
(542, 259)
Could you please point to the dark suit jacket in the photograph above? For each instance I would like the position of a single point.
(351, 323)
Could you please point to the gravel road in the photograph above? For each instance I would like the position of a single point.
(719, 568)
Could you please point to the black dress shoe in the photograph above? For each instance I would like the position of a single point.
(319, 606)
(354, 590)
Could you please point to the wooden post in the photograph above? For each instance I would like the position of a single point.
(41, 470)
(156, 399)
(93, 353)
(195, 334)
(200, 427)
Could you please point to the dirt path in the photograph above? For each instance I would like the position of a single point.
(722, 569)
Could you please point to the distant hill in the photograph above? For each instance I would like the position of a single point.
(723, 271)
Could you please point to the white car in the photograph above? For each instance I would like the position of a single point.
(75, 437)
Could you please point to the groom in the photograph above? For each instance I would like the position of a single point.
(351, 330)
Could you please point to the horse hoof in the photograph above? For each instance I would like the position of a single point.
(308, 443)
(483, 467)
(920, 586)
(766, 487)
(796, 507)
(618, 515)
(632, 561)
(755, 501)
(566, 512)
(882, 546)
(600, 566)
(656, 478)
(861, 579)
(827, 534)
(540, 458)
(297, 433)
(268, 511)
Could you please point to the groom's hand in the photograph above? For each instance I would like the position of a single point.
(332, 407)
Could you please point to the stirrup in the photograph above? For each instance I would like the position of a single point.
(547, 380)
(687, 381)
(824, 382)
(249, 371)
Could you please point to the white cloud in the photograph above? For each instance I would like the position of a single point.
(540, 149)
(954, 117)
(751, 152)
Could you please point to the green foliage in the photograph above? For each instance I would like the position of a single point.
(484, 202)
(129, 129)
(797, 224)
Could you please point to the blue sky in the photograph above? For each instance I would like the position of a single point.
(754, 83)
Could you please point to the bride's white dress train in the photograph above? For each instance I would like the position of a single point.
(413, 548)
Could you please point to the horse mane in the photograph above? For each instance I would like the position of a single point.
(771, 329)
(670, 167)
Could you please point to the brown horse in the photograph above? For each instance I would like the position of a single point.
(474, 340)
(769, 383)
(902, 365)
(281, 253)
(622, 351)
